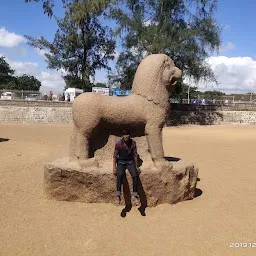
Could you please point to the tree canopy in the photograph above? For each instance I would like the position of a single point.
(99, 84)
(185, 30)
(28, 83)
(6, 73)
(81, 44)
(180, 91)
(10, 82)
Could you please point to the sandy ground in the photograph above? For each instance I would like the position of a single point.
(224, 213)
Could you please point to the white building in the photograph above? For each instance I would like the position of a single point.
(72, 93)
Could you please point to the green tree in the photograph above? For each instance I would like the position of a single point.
(81, 44)
(5, 68)
(49, 4)
(28, 83)
(126, 66)
(103, 85)
(185, 30)
(180, 91)
(7, 79)
(73, 82)
(212, 94)
(10, 82)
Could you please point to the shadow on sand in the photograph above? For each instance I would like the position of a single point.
(142, 194)
(3, 139)
(198, 191)
(128, 198)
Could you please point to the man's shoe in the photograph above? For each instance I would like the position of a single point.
(136, 200)
(118, 202)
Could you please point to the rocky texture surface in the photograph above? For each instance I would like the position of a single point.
(65, 180)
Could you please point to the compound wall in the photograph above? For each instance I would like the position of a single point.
(17, 111)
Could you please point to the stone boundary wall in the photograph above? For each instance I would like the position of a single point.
(174, 106)
(37, 103)
(211, 117)
(18, 111)
(34, 114)
(231, 107)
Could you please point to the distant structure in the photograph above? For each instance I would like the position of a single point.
(101, 90)
(72, 93)
(119, 92)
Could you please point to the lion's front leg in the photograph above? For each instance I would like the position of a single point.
(83, 156)
(73, 144)
(82, 146)
(79, 149)
(154, 138)
(155, 144)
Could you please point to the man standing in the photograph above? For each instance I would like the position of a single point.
(126, 157)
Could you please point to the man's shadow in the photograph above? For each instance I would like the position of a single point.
(3, 139)
(198, 191)
(128, 198)
(172, 159)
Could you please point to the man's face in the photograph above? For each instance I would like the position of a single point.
(126, 138)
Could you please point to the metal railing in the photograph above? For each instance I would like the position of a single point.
(249, 98)
(30, 95)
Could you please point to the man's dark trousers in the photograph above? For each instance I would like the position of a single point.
(122, 165)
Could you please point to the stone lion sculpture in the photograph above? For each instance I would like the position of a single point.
(148, 104)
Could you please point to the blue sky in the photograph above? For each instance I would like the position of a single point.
(234, 65)
(239, 17)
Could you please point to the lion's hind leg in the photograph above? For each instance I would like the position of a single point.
(155, 144)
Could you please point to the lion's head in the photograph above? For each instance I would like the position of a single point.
(155, 74)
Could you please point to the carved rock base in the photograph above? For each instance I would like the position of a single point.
(68, 181)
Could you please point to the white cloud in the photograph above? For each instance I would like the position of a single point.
(136, 51)
(227, 47)
(42, 52)
(149, 22)
(116, 54)
(20, 50)
(63, 72)
(21, 67)
(234, 74)
(225, 26)
(51, 80)
(9, 39)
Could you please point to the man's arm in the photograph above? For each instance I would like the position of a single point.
(135, 154)
(114, 165)
(114, 158)
(136, 160)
